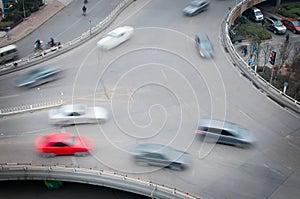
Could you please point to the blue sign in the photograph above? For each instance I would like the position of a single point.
(255, 49)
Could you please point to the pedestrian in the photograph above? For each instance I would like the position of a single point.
(84, 10)
(287, 37)
(7, 33)
(245, 51)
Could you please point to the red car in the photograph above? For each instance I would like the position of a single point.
(63, 144)
(291, 24)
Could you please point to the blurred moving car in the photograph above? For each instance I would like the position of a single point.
(224, 132)
(63, 144)
(254, 14)
(204, 46)
(115, 37)
(77, 114)
(275, 25)
(195, 7)
(291, 24)
(40, 76)
(160, 155)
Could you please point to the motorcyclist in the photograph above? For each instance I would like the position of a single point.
(52, 43)
(38, 45)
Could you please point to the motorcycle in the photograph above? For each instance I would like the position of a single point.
(38, 46)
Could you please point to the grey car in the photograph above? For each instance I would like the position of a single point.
(77, 114)
(161, 155)
(224, 132)
(195, 7)
(204, 47)
(40, 76)
(275, 25)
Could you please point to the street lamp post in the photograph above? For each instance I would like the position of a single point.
(24, 9)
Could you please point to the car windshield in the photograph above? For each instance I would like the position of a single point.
(170, 153)
(205, 44)
(277, 23)
(241, 132)
(196, 4)
(115, 34)
(296, 23)
(257, 13)
(70, 141)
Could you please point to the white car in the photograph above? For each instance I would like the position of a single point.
(77, 114)
(115, 37)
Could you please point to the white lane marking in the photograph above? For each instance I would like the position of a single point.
(8, 96)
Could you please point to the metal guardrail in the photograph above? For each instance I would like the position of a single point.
(28, 171)
(29, 108)
(50, 53)
(271, 91)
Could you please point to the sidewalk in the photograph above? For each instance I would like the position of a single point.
(34, 21)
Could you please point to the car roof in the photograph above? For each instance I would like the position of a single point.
(155, 148)
(272, 18)
(120, 30)
(74, 108)
(289, 19)
(217, 124)
(58, 137)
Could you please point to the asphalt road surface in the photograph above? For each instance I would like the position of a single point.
(156, 87)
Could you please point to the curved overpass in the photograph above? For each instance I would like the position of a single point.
(165, 87)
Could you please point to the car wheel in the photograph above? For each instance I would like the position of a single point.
(175, 166)
(48, 155)
(141, 162)
(275, 31)
(81, 154)
(294, 31)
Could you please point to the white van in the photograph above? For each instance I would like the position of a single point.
(8, 53)
(254, 14)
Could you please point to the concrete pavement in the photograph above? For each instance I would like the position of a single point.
(34, 21)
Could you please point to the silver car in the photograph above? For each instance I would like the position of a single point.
(204, 47)
(77, 114)
(160, 155)
(115, 37)
(225, 132)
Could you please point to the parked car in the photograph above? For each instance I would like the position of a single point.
(160, 155)
(291, 24)
(204, 46)
(115, 38)
(275, 25)
(63, 144)
(195, 7)
(254, 14)
(224, 132)
(77, 114)
(40, 76)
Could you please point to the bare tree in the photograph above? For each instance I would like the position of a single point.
(265, 51)
(285, 50)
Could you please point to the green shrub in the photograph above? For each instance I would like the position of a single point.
(5, 24)
(253, 31)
